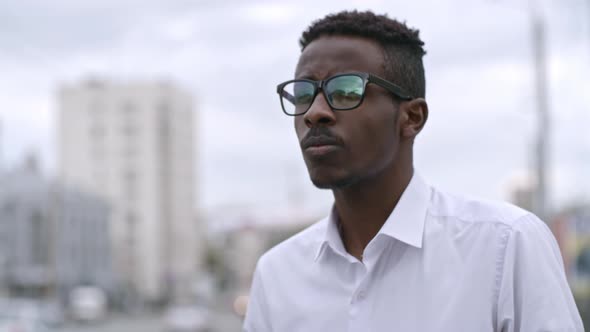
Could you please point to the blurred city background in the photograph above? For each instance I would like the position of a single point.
(145, 163)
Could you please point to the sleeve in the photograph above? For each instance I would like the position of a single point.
(534, 294)
(257, 315)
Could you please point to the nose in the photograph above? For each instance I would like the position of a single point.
(319, 113)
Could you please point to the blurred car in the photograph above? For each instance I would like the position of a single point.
(187, 318)
(88, 304)
(52, 314)
(48, 312)
(21, 324)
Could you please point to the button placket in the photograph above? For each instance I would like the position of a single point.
(361, 295)
(367, 265)
(360, 276)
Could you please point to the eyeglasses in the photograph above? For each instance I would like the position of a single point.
(343, 92)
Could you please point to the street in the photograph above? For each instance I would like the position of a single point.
(221, 322)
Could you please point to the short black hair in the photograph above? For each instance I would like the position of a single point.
(402, 47)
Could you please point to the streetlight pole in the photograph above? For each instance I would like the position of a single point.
(1, 150)
(540, 199)
(543, 130)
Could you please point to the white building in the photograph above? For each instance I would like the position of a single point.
(132, 143)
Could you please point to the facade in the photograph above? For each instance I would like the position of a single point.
(81, 241)
(571, 228)
(26, 215)
(132, 143)
(572, 231)
(52, 238)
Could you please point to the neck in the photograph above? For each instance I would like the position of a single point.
(364, 207)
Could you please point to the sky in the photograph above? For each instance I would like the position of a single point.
(231, 55)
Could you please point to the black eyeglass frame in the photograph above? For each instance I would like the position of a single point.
(366, 77)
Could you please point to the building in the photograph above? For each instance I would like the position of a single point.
(81, 242)
(52, 238)
(572, 231)
(132, 143)
(243, 235)
(25, 213)
(571, 227)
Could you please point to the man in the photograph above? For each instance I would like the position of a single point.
(395, 254)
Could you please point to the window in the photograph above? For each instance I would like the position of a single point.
(128, 107)
(39, 254)
(9, 208)
(129, 129)
(97, 131)
(130, 183)
(96, 107)
(129, 119)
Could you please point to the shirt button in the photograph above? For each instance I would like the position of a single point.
(361, 296)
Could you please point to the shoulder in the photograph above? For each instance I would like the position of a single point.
(499, 222)
(299, 248)
(514, 227)
(449, 207)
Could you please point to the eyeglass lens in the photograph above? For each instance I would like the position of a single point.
(343, 92)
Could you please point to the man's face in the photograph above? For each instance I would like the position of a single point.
(347, 147)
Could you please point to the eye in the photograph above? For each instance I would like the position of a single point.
(345, 91)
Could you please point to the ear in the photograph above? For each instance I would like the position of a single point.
(414, 114)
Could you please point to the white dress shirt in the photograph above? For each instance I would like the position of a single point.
(439, 263)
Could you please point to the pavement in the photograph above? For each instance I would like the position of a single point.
(220, 322)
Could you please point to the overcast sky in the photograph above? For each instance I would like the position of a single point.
(231, 55)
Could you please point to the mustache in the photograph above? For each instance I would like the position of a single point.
(320, 136)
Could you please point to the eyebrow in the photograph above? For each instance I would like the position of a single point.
(305, 77)
(314, 78)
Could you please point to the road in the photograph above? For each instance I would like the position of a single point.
(221, 322)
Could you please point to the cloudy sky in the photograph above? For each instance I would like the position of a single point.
(231, 54)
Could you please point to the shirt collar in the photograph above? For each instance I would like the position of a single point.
(405, 223)
(331, 236)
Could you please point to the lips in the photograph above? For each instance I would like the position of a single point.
(319, 141)
(320, 146)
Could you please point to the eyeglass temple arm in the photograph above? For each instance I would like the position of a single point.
(286, 95)
(396, 90)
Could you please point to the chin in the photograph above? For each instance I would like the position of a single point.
(324, 182)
